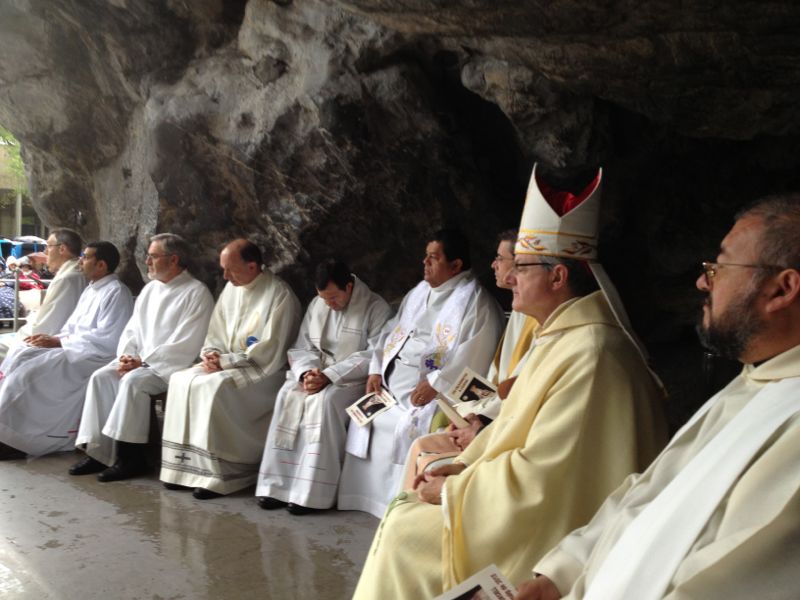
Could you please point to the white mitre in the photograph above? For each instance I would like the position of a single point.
(574, 234)
(544, 232)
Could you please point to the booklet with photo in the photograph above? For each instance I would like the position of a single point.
(488, 584)
(466, 395)
(366, 408)
(471, 387)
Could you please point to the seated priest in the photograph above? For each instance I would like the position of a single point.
(436, 449)
(585, 412)
(717, 514)
(164, 334)
(218, 411)
(447, 322)
(44, 378)
(328, 363)
(63, 247)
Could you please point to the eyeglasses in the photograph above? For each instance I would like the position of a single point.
(522, 267)
(53, 245)
(149, 256)
(710, 269)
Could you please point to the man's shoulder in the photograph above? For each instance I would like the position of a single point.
(599, 342)
(270, 283)
(373, 299)
(117, 287)
(195, 287)
(70, 277)
(421, 288)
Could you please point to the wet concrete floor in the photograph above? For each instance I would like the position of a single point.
(73, 537)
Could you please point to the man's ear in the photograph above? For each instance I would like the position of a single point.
(559, 276)
(458, 265)
(783, 291)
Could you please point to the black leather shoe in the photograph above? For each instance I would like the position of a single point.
(122, 470)
(268, 503)
(86, 466)
(176, 486)
(204, 494)
(9, 453)
(298, 510)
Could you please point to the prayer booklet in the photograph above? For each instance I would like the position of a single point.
(471, 387)
(488, 584)
(470, 390)
(366, 408)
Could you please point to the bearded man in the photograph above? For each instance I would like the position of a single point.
(717, 514)
(164, 334)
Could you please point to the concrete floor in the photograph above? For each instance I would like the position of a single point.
(73, 537)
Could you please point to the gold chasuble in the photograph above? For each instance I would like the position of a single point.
(584, 413)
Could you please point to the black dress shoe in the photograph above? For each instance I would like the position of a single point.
(176, 486)
(204, 494)
(9, 453)
(122, 470)
(298, 510)
(268, 503)
(86, 466)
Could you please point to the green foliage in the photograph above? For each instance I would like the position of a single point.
(11, 145)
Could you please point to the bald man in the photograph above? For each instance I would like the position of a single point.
(218, 411)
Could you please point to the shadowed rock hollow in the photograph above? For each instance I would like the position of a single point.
(357, 127)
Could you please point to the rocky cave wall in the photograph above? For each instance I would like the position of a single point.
(357, 127)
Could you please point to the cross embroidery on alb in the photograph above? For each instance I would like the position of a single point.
(182, 457)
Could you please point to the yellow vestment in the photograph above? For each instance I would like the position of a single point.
(584, 413)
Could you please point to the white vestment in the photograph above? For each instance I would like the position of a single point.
(59, 301)
(304, 453)
(215, 423)
(166, 331)
(416, 344)
(748, 548)
(42, 390)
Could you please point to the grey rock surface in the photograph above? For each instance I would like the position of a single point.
(357, 127)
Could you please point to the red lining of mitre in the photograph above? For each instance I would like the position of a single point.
(562, 201)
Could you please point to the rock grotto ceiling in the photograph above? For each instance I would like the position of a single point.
(356, 127)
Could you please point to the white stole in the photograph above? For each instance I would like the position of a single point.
(444, 339)
(351, 333)
(644, 559)
(299, 407)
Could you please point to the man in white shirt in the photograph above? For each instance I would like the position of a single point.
(447, 322)
(328, 369)
(63, 247)
(218, 411)
(165, 334)
(437, 449)
(44, 379)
